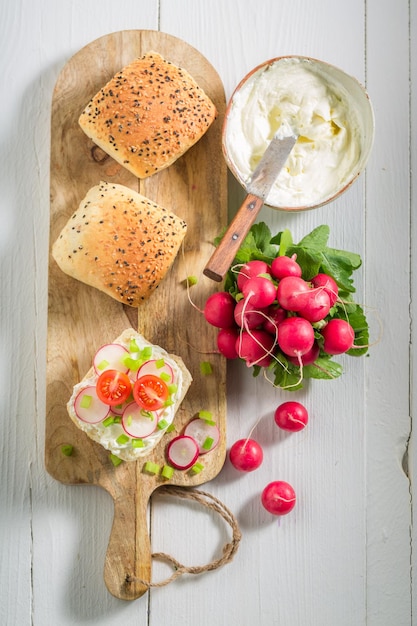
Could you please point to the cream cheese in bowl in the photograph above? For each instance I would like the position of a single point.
(328, 110)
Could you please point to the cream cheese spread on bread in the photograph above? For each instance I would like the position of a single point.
(116, 427)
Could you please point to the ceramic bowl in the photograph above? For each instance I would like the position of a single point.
(328, 109)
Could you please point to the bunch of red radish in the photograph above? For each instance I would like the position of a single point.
(275, 311)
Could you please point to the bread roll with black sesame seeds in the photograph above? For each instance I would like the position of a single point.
(148, 115)
(119, 242)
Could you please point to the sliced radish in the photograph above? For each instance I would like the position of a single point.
(118, 409)
(182, 452)
(110, 356)
(156, 367)
(88, 406)
(206, 435)
(138, 423)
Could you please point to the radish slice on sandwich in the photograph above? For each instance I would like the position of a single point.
(137, 422)
(88, 406)
(111, 356)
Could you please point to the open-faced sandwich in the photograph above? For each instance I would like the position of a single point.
(148, 115)
(129, 397)
(119, 242)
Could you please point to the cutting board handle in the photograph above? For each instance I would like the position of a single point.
(223, 256)
(128, 558)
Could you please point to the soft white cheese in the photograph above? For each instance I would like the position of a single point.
(297, 97)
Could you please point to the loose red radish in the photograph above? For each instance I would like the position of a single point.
(283, 266)
(226, 342)
(247, 316)
(291, 416)
(308, 358)
(317, 306)
(338, 336)
(278, 498)
(274, 315)
(295, 336)
(182, 452)
(255, 347)
(259, 291)
(250, 270)
(137, 422)
(292, 293)
(110, 357)
(156, 367)
(206, 434)
(328, 284)
(246, 455)
(219, 309)
(88, 406)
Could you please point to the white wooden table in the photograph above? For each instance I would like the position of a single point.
(344, 556)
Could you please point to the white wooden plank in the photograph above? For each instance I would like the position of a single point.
(412, 451)
(387, 414)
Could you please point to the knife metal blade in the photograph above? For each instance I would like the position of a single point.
(258, 188)
(270, 165)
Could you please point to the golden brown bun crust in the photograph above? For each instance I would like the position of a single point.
(148, 115)
(119, 242)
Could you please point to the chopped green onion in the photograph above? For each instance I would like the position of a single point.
(167, 471)
(115, 460)
(164, 376)
(117, 419)
(129, 420)
(86, 401)
(146, 353)
(122, 439)
(192, 280)
(152, 468)
(162, 424)
(208, 443)
(170, 428)
(133, 346)
(169, 402)
(172, 388)
(159, 363)
(205, 415)
(137, 443)
(206, 368)
(130, 363)
(108, 421)
(147, 414)
(67, 449)
(103, 364)
(197, 468)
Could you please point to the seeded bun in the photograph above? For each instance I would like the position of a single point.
(148, 115)
(108, 436)
(119, 242)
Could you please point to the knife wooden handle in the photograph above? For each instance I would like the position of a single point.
(223, 256)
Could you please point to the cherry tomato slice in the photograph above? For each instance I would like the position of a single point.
(113, 387)
(150, 392)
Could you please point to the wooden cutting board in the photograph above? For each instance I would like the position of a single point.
(81, 318)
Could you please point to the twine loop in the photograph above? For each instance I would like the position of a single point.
(229, 549)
